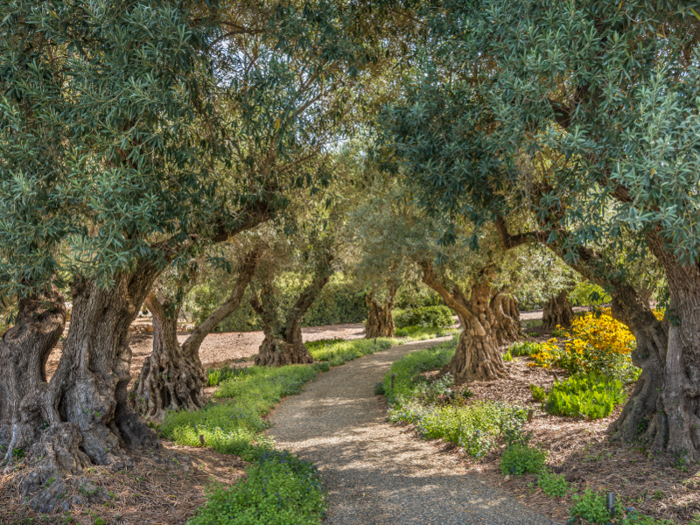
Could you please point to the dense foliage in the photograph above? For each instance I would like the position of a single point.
(278, 488)
(438, 411)
(428, 316)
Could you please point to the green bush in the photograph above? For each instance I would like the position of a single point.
(428, 316)
(234, 426)
(279, 488)
(591, 395)
(592, 507)
(553, 485)
(524, 348)
(379, 389)
(521, 458)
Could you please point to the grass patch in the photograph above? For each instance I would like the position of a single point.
(338, 351)
(234, 426)
(422, 333)
(279, 488)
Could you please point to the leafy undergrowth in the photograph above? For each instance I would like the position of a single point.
(591, 395)
(442, 411)
(562, 466)
(280, 488)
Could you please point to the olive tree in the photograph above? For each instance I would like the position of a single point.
(583, 117)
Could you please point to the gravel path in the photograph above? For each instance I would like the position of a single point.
(375, 472)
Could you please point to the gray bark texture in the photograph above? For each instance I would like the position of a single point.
(487, 324)
(81, 416)
(380, 320)
(557, 312)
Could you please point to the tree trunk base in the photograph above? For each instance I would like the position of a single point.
(557, 312)
(169, 385)
(476, 359)
(380, 321)
(277, 352)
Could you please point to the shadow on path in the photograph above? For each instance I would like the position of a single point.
(374, 472)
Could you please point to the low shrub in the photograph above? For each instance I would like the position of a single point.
(338, 351)
(427, 316)
(521, 458)
(279, 488)
(379, 389)
(553, 485)
(476, 428)
(592, 395)
(438, 411)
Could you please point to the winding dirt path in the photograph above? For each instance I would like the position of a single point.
(378, 473)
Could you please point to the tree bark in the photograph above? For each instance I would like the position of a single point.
(477, 356)
(81, 416)
(380, 320)
(558, 312)
(283, 343)
(173, 376)
(506, 311)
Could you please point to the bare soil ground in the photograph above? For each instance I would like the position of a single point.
(163, 488)
(220, 349)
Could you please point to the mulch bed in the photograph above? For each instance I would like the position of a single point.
(163, 488)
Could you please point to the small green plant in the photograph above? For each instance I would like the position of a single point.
(591, 395)
(100, 521)
(507, 357)
(524, 348)
(590, 506)
(539, 393)
(553, 485)
(559, 332)
(379, 389)
(522, 459)
(279, 488)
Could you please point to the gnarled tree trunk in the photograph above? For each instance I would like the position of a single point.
(557, 311)
(380, 320)
(81, 416)
(506, 312)
(477, 356)
(283, 344)
(173, 376)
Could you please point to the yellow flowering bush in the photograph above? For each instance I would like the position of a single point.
(595, 343)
